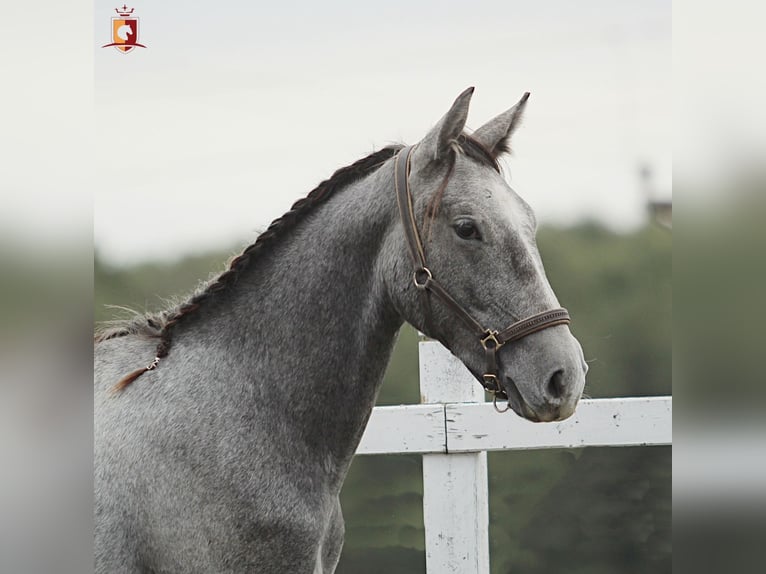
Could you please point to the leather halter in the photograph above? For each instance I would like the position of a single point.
(424, 281)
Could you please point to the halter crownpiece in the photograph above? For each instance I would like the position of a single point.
(424, 281)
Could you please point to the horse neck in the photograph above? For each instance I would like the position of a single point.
(310, 326)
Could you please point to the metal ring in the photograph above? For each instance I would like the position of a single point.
(494, 404)
(424, 284)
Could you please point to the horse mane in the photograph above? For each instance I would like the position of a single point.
(160, 325)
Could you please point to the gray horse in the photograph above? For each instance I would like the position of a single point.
(224, 427)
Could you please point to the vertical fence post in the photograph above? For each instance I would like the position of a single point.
(455, 496)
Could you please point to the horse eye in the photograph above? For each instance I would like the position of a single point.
(467, 230)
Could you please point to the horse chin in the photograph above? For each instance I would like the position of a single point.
(517, 403)
(522, 408)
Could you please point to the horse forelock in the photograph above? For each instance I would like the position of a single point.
(475, 150)
(470, 147)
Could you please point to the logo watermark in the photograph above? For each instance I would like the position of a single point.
(124, 31)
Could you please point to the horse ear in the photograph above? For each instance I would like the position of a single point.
(437, 142)
(495, 135)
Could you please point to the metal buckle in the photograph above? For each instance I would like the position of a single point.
(428, 279)
(489, 378)
(491, 336)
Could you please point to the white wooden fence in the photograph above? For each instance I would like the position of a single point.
(454, 428)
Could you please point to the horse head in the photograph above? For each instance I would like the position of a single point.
(477, 236)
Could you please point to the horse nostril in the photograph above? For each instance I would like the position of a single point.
(556, 384)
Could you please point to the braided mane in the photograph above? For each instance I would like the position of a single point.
(161, 325)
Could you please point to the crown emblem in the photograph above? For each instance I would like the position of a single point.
(123, 11)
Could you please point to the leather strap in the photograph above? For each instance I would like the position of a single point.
(521, 329)
(406, 209)
(422, 276)
(432, 285)
(407, 215)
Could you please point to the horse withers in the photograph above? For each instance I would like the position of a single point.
(225, 426)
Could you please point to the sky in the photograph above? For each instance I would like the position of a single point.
(235, 110)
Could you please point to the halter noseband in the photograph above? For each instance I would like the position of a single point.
(424, 281)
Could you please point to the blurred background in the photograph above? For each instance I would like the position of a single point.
(179, 154)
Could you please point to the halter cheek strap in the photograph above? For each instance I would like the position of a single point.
(423, 279)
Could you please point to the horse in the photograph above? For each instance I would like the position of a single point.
(225, 425)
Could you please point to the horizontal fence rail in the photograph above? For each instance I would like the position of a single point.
(472, 427)
(404, 429)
